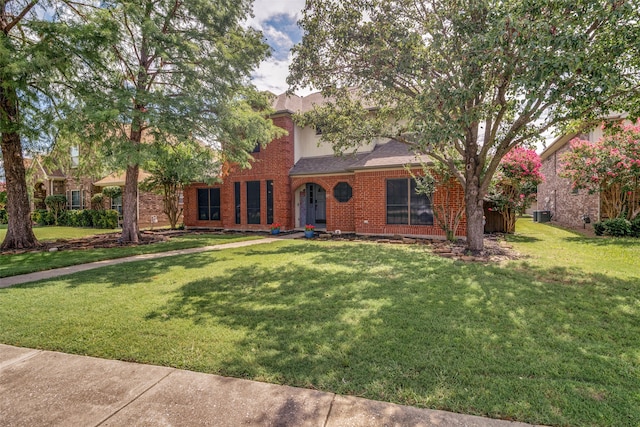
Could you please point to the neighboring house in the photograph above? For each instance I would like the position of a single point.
(46, 180)
(567, 206)
(297, 180)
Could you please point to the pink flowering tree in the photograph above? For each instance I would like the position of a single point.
(515, 184)
(611, 167)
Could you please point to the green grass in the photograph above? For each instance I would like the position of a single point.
(54, 233)
(569, 253)
(386, 322)
(13, 264)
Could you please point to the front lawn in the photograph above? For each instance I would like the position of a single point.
(13, 264)
(386, 322)
(54, 233)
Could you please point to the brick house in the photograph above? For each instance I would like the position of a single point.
(567, 206)
(49, 180)
(297, 180)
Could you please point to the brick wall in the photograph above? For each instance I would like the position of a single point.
(271, 163)
(370, 214)
(340, 215)
(555, 194)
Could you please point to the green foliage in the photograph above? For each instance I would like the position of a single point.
(599, 228)
(3, 216)
(463, 82)
(97, 201)
(635, 227)
(56, 204)
(3, 199)
(617, 227)
(104, 218)
(178, 71)
(172, 167)
(42, 217)
(112, 191)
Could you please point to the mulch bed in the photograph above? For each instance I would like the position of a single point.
(495, 248)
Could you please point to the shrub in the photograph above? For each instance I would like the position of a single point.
(97, 201)
(635, 227)
(598, 228)
(4, 217)
(617, 227)
(107, 219)
(43, 217)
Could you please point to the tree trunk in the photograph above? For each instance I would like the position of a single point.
(19, 232)
(473, 200)
(130, 230)
(475, 212)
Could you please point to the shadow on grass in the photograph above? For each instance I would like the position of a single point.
(519, 238)
(401, 325)
(395, 323)
(625, 242)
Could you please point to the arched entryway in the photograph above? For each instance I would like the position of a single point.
(311, 200)
(316, 202)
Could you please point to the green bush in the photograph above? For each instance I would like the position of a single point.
(108, 219)
(43, 217)
(617, 227)
(4, 217)
(78, 218)
(635, 227)
(598, 228)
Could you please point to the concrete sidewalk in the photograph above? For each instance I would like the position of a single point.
(39, 388)
(6, 282)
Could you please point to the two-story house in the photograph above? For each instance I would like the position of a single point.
(297, 180)
(48, 178)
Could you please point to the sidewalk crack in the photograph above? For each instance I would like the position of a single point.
(326, 420)
(134, 399)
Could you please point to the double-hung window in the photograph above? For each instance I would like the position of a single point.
(405, 205)
(209, 204)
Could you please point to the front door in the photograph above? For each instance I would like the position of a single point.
(316, 204)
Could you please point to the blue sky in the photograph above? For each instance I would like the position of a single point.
(277, 21)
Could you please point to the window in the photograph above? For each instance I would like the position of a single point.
(76, 200)
(75, 156)
(342, 192)
(269, 202)
(405, 205)
(116, 204)
(209, 204)
(236, 191)
(253, 202)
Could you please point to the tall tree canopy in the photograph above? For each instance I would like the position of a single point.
(45, 49)
(179, 71)
(464, 82)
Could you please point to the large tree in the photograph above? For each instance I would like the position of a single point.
(45, 47)
(463, 82)
(180, 71)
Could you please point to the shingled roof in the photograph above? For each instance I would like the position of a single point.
(391, 154)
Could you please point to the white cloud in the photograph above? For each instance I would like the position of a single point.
(277, 21)
(272, 76)
(263, 10)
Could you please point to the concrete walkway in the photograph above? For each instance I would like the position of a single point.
(44, 388)
(6, 282)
